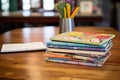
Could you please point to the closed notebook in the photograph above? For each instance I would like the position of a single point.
(16, 47)
(83, 37)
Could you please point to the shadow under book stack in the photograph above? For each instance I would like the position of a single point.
(82, 48)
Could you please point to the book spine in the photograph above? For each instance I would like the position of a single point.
(77, 58)
(72, 54)
(72, 62)
(76, 51)
(69, 57)
(55, 43)
(78, 48)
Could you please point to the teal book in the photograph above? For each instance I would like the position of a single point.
(66, 45)
(83, 37)
(58, 43)
(101, 49)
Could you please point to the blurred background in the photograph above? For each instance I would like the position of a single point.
(32, 13)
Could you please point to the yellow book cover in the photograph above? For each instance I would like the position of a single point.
(83, 37)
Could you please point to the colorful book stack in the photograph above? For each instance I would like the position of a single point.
(84, 48)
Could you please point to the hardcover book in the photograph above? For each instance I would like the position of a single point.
(82, 47)
(80, 54)
(58, 43)
(78, 62)
(77, 51)
(83, 37)
(75, 57)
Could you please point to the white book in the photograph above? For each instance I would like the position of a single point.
(16, 47)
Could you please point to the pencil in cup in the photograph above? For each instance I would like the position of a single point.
(65, 12)
(68, 10)
(75, 12)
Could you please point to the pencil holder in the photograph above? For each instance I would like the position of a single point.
(66, 25)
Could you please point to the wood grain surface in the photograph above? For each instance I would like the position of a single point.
(31, 65)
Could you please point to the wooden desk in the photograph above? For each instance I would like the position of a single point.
(45, 17)
(31, 65)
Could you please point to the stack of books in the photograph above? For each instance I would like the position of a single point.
(84, 48)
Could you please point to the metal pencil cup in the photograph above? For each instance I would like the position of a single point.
(66, 25)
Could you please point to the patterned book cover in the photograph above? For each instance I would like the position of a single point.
(80, 54)
(83, 37)
(75, 57)
(78, 62)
